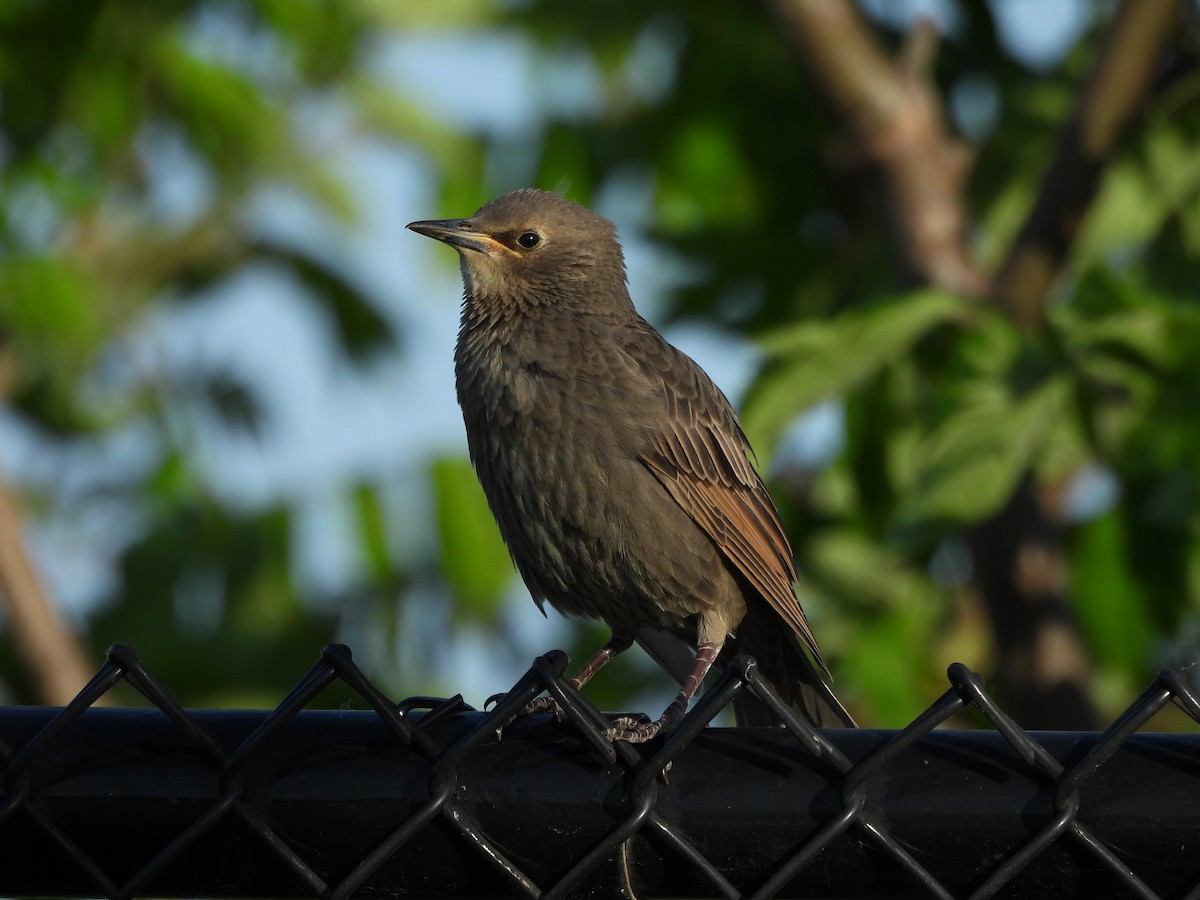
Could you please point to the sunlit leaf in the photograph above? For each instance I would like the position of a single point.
(322, 184)
(474, 557)
(381, 109)
(826, 358)
(372, 532)
(324, 37)
(105, 104)
(885, 668)
(1113, 315)
(226, 118)
(52, 328)
(704, 153)
(444, 14)
(1108, 600)
(45, 302)
(970, 465)
(871, 574)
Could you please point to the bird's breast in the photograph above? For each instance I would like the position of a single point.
(549, 442)
(553, 388)
(558, 430)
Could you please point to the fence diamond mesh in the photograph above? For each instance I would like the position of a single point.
(430, 797)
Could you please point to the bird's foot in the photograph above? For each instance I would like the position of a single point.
(637, 731)
(534, 707)
(543, 704)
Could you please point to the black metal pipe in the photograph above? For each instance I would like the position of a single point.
(327, 789)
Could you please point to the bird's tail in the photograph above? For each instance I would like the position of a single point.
(791, 672)
(780, 658)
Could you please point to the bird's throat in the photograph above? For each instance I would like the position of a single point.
(487, 285)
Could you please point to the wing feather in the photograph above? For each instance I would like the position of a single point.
(701, 456)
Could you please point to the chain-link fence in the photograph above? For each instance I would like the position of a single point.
(431, 798)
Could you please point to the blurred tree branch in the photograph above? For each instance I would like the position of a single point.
(895, 113)
(53, 654)
(1043, 666)
(893, 110)
(1112, 96)
(140, 146)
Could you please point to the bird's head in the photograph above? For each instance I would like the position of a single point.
(535, 247)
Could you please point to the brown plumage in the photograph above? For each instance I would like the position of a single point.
(616, 470)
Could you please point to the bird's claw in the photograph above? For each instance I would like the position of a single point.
(543, 704)
(634, 730)
(534, 707)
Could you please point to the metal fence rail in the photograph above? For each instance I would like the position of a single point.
(425, 799)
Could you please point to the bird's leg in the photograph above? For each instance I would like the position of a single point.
(635, 732)
(618, 643)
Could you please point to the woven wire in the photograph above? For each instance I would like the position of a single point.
(642, 778)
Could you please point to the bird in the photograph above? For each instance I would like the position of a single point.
(618, 473)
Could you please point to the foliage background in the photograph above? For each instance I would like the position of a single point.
(229, 423)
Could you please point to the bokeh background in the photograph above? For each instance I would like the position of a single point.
(229, 434)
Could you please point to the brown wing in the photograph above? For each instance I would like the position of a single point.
(699, 454)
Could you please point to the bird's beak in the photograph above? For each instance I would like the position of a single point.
(458, 233)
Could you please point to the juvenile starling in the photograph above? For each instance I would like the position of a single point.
(616, 470)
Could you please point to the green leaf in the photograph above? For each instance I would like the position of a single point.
(103, 102)
(888, 668)
(53, 325)
(1001, 221)
(474, 558)
(382, 110)
(324, 37)
(1126, 209)
(969, 465)
(318, 180)
(816, 360)
(47, 303)
(704, 179)
(1113, 315)
(227, 119)
(372, 531)
(1138, 194)
(1119, 628)
(847, 562)
(896, 612)
(445, 14)
(360, 328)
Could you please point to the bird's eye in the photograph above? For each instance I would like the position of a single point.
(529, 239)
